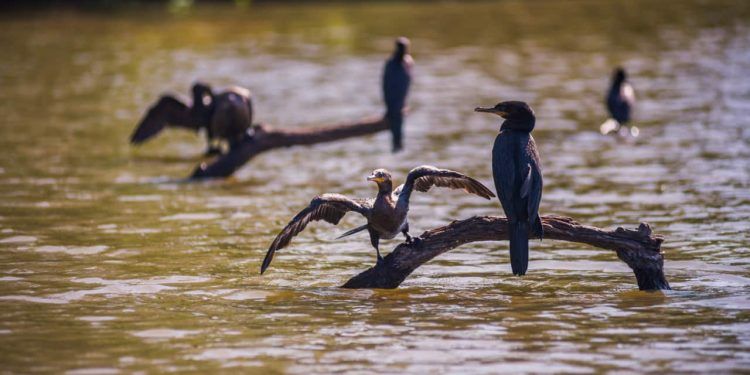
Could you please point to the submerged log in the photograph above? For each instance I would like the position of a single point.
(265, 138)
(638, 248)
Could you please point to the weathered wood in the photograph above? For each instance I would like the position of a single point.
(639, 249)
(265, 138)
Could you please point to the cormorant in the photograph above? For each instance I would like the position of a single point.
(225, 116)
(620, 101)
(518, 177)
(396, 81)
(386, 214)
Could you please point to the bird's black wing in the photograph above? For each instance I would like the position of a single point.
(620, 102)
(424, 177)
(396, 82)
(534, 191)
(328, 207)
(168, 111)
(504, 171)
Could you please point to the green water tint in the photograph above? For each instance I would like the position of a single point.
(109, 262)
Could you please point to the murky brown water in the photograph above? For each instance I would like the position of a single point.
(109, 263)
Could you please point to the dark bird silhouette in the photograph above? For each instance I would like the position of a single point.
(225, 116)
(620, 102)
(518, 177)
(386, 214)
(396, 82)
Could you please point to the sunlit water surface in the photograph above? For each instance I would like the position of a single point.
(109, 262)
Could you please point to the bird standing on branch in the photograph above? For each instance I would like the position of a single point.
(225, 116)
(386, 214)
(517, 171)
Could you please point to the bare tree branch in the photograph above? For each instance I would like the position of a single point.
(639, 249)
(266, 138)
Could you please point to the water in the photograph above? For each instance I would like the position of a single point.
(109, 262)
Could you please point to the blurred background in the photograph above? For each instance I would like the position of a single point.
(110, 262)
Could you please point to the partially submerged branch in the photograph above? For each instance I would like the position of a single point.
(639, 249)
(266, 138)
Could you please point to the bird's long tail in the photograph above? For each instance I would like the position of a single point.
(518, 234)
(350, 232)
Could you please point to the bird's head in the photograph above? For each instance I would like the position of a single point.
(381, 177)
(402, 46)
(518, 115)
(619, 74)
(202, 94)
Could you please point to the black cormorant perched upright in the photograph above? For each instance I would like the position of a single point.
(396, 81)
(225, 116)
(386, 214)
(517, 171)
(620, 102)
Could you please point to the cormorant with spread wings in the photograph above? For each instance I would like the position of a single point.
(386, 214)
(225, 116)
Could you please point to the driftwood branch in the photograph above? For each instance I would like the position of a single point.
(265, 138)
(638, 248)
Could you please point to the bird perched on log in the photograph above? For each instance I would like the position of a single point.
(518, 177)
(225, 116)
(396, 82)
(620, 102)
(386, 214)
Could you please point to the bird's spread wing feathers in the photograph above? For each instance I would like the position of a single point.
(425, 177)
(167, 111)
(328, 207)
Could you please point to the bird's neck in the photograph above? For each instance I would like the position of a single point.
(616, 87)
(198, 103)
(617, 83)
(525, 125)
(385, 189)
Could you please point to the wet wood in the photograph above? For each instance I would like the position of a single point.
(266, 138)
(638, 248)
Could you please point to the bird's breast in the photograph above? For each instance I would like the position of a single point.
(387, 220)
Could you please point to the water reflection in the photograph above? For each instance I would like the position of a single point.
(110, 262)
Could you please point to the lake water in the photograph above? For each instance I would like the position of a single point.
(110, 263)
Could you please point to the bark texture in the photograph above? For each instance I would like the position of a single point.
(638, 248)
(265, 138)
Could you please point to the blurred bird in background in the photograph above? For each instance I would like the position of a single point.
(620, 102)
(396, 82)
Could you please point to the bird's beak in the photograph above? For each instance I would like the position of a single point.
(374, 178)
(490, 110)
